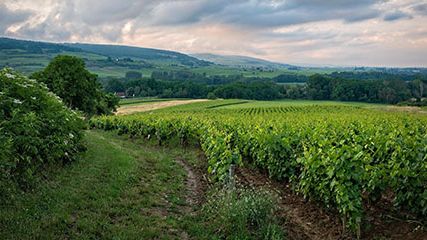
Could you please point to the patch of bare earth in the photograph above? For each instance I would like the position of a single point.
(196, 186)
(145, 107)
(408, 109)
(308, 220)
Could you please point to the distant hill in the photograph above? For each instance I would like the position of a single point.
(105, 60)
(240, 61)
(115, 61)
(25, 46)
(120, 51)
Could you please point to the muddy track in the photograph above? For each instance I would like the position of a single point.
(308, 220)
(192, 184)
(196, 187)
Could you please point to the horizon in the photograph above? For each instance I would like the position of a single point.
(367, 33)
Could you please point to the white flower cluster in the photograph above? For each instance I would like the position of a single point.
(25, 85)
(17, 101)
(55, 96)
(8, 75)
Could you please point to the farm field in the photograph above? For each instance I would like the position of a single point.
(351, 159)
(155, 174)
(145, 106)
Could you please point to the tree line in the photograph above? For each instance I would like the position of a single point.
(364, 87)
(324, 87)
(150, 87)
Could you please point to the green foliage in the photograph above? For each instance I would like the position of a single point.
(35, 129)
(211, 96)
(338, 155)
(67, 77)
(325, 87)
(132, 75)
(243, 214)
(254, 90)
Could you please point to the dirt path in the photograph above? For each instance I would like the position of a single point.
(144, 107)
(195, 190)
(191, 183)
(393, 108)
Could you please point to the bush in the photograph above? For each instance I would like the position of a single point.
(243, 214)
(211, 96)
(35, 129)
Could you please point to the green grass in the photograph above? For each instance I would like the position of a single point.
(118, 190)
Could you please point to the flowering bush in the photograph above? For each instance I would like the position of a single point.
(35, 129)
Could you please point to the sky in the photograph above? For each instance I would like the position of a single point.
(390, 33)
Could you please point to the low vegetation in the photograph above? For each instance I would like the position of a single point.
(243, 214)
(36, 130)
(341, 156)
(117, 189)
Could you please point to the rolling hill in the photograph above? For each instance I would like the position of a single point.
(145, 54)
(241, 61)
(105, 60)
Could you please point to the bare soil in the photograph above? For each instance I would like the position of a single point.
(408, 109)
(144, 107)
(195, 186)
(308, 220)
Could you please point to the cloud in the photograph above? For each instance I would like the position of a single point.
(9, 17)
(263, 14)
(421, 9)
(396, 15)
(312, 31)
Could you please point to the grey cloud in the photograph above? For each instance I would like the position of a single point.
(421, 9)
(396, 15)
(9, 17)
(75, 16)
(247, 26)
(102, 12)
(283, 13)
(43, 31)
(182, 12)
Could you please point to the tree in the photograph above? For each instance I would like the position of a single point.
(417, 87)
(133, 75)
(115, 85)
(319, 87)
(68, 78)
(212, 96)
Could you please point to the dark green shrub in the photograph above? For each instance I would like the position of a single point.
(36, 129)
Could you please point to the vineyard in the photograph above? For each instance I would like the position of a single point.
(342, 156)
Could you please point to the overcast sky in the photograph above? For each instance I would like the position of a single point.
(337, 32)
